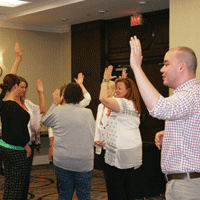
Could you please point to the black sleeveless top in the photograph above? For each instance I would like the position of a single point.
(14, 121)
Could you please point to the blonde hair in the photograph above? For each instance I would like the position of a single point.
(111, 85)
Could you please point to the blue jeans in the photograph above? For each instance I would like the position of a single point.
(67, 180)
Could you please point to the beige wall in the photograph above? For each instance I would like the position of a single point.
(46, 56)
(185, 26)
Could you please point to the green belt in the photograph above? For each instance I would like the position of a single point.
(10, 146)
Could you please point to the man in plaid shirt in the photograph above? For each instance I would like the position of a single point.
(180, 158)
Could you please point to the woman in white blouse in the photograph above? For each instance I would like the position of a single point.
(124, 145)
(101, 127)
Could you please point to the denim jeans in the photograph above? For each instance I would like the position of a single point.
(67, 180)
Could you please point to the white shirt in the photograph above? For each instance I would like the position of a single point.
(124, 144)
(35, 119)
(101, 126)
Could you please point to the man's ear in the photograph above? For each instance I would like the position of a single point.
(182, 66)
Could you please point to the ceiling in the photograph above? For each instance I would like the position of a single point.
(59, 15)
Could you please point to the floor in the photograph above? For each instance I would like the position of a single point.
(43, 185)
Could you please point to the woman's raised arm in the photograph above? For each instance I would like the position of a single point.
(18, 53)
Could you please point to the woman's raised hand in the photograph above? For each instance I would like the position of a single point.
(108, 73)
(56, 97)
(40, 86)
(18, 51)
(124, 74)
(79, 79)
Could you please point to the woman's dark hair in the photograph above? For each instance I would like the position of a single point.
(133, 93)
(8, 82)
(22, 98)
(23, 80)
(73, 93)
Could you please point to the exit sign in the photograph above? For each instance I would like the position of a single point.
(136, 20)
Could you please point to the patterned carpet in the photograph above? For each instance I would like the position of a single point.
(43, 185)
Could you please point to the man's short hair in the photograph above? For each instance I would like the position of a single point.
(187, 55)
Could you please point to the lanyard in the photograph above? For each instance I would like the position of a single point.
(108, 113)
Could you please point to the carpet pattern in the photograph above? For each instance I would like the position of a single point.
(43, 185)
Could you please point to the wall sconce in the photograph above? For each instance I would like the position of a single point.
(1, 71)
(1, 62)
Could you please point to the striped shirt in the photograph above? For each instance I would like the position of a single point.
(181, 141)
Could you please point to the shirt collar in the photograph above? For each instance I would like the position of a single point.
(191, 82)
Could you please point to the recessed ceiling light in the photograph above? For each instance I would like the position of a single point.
(102, 11)
(64, 19)
(12, 3)
(143, 2)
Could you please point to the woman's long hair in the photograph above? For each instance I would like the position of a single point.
(22, 98)
(132, 94)
(8, 82)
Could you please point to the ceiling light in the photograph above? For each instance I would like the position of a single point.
(12, 3)
(64, 19)
(102, 11)
(143, 2)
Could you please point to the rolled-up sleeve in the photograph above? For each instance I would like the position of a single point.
(174, 107)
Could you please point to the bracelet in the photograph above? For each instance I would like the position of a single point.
(105, 80)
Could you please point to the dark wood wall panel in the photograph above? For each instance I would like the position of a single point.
(97, 44)
(153, 34)
(88, 56)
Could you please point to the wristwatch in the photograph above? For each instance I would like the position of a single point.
(105, 80)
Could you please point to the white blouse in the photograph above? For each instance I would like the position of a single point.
(34, 123)
(124, 144)
(101, 126)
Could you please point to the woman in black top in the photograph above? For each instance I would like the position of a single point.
(14, 148)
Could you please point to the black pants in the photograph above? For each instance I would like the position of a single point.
(28, 173)
(120, 183)
(103, 164)
(15, 167)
